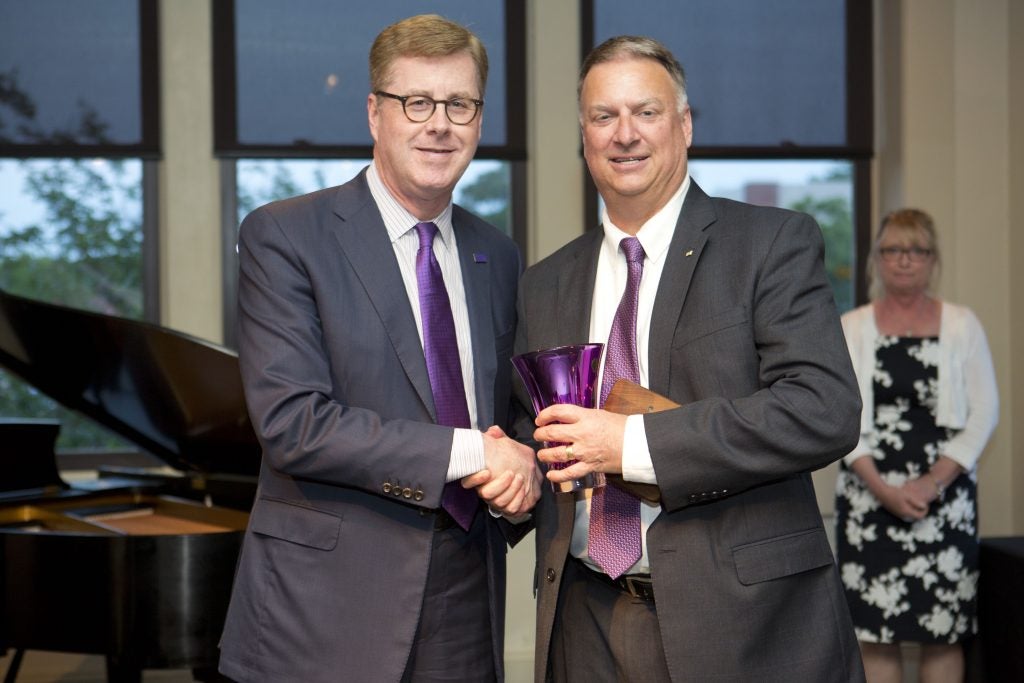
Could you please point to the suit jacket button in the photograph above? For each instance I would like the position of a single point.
(417, 494)
(397, 490)
(387, 487)
(407, 492)
(550, 575)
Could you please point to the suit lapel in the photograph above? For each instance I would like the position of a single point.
(476, 280)
(364, 241)
(575, 290)
(683, 253)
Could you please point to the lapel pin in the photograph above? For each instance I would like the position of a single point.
(479, 258)
(689, 253)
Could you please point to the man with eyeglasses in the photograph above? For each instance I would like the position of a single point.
(376, 325)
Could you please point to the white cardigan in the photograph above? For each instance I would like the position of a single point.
(967, 397)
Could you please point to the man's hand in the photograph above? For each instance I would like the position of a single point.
(591, 437)
(511, 482)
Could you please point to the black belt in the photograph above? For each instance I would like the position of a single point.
(639, 586)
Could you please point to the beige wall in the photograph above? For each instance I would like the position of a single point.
(1013, 381)
(189, 210)
(949, 82)
(555, 172)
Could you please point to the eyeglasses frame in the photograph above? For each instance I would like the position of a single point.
(404, 98)
(914, 254)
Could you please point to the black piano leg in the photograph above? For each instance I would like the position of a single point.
(12, 668)
(120, 671)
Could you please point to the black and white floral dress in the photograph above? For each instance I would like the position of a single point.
(905, 581)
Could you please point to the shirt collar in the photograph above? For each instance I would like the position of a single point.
(397, 218)
(656, 234)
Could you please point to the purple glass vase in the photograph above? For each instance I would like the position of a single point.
(564, 374)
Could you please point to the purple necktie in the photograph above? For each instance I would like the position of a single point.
(615, 514)
(441, 350)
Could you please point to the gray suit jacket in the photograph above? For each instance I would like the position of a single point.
(745, 336)
(332, 571)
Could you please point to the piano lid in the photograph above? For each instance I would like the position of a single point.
(176, 396)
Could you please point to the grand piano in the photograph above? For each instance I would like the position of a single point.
(130, 565)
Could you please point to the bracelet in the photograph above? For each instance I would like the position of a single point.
(940, 490)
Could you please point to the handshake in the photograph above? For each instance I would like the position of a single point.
(581, 441)
(510, 483)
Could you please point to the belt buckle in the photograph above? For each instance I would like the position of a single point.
(639, 587)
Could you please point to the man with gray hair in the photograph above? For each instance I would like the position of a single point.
(720, 569)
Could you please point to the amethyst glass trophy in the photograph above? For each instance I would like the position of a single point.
(564, 374)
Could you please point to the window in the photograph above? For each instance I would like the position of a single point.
(484, 189)
(823, 189)
(78, 79)
(780, 95)
(71, 232)
(79, 129)
(287, 83)
(290, 105)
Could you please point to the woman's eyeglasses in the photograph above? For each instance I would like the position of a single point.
(894, 254)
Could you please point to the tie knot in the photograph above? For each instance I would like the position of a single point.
(426, 232)
(633, 250)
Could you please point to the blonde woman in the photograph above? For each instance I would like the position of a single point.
(906, 500)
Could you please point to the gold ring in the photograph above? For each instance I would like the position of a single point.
(568, 453)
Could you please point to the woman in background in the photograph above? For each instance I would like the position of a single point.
(906, 497)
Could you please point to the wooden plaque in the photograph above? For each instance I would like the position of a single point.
(629, 398)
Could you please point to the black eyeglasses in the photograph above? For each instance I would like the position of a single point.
(915, 254)
(419, 108)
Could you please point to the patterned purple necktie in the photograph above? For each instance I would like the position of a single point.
(615, 514)
(441, 350)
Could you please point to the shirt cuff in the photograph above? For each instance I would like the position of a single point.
(636, 454)
(518, 519)
(467, 454)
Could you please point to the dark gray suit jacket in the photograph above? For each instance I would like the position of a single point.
(745, 336)
(334, 563)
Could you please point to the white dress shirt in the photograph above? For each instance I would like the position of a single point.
(655, 236)
(467, 454)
